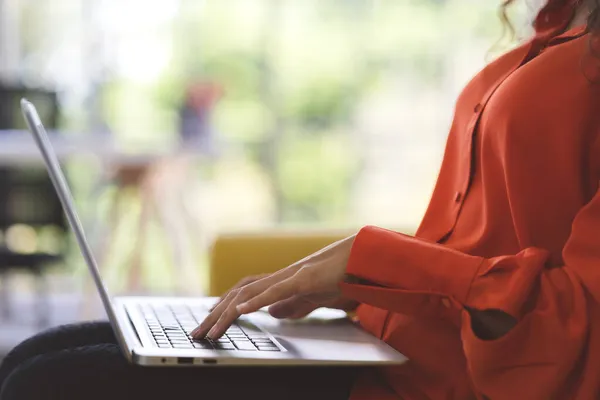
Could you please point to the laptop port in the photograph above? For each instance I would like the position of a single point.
(210, 361)
(185, 360)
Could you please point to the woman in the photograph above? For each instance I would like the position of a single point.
(497, 296)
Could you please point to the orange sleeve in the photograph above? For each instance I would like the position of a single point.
(550, 302)
(401, 267)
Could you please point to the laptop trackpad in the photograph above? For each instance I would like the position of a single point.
(322, 324)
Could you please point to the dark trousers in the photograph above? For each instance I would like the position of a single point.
(84, 362)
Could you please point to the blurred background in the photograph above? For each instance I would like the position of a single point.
(179, 120)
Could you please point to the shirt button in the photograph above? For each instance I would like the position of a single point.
(446, 302)
(478, 108)
(457, 197)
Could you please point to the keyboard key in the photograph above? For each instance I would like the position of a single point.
(184, 338)
(179, 341)
(262, 340)
(203, 345)
(240, 339)
(247, 346)
(262, 344)
(182, 346)
(164, 345)
(268, 349)
(265, 344)
(257, 335)
(177, 335)
(224, 346)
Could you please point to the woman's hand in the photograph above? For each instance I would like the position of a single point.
(292, 292)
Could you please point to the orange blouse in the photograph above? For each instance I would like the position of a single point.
(513, 225)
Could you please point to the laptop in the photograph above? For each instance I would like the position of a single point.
(155, 331)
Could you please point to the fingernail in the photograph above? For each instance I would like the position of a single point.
(212, 333)
(199, 332)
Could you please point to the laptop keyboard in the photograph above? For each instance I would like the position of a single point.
(171, 326)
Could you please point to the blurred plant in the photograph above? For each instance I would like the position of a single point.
(315, 172)
(293, 74)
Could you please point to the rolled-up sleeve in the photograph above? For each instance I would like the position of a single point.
(395, 263)
(395, 270)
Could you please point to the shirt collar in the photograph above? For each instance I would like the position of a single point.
(572, 33)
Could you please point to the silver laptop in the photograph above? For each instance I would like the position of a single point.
(156, 330)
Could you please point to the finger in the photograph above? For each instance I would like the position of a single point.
(280, 291)
(293, 308)
(246, 281)
(225, 320)
(248, 292)
(212, 318)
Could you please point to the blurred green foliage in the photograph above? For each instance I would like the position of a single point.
(294, 74)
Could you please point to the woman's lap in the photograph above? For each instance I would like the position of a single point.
(83, 361)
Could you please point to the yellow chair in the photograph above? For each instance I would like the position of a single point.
(235, 256)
